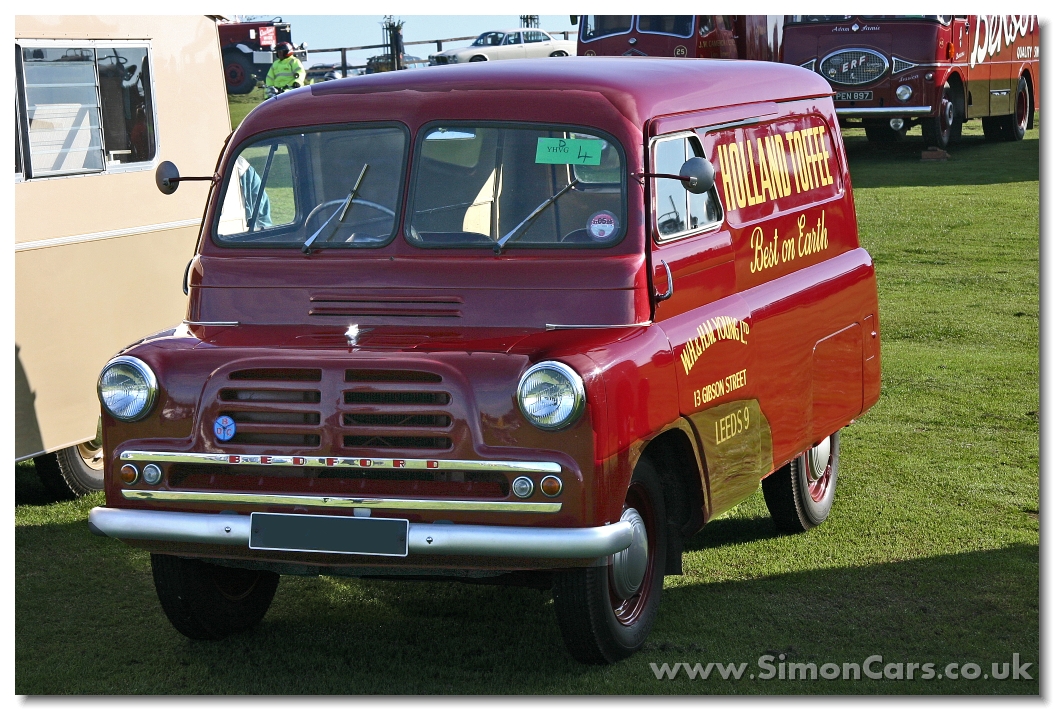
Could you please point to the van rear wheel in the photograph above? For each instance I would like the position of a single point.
(207, 601)
(606, 612)
(799, 496)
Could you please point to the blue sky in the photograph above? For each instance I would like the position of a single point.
(324, 31)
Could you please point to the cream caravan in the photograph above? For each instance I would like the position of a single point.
(99, 252)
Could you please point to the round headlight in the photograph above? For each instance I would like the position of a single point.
(551, 395)
(127, 388)
(904, 92)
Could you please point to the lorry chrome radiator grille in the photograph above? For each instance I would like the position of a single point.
(853, 67)
(340, 481)
(396, 409)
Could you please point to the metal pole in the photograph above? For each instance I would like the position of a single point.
(344, 63)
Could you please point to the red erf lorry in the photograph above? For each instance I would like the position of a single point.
(248, 51)
(698, 36)
(892, 72)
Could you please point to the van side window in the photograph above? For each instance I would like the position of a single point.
(88, 108)
(677, 211)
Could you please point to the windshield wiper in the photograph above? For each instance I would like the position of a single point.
(339, 215)
(529, 219)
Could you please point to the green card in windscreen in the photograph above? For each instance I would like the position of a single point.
(568, 151)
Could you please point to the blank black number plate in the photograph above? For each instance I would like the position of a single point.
(329, 533)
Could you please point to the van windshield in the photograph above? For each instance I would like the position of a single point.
(515, 187)
(284, 190)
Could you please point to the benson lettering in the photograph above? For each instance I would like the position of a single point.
(760, 169)
(709, 332)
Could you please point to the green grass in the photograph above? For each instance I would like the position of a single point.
(931, 553)
(240, 105)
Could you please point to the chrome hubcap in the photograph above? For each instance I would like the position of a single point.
(817, 459)
(949, 114)
(628, 567)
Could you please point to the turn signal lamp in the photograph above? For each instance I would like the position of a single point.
(950, 52)
(152, 474)
(523, 487)
(129, 474)
(551, 486)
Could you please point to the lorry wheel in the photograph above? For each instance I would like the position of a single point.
(938, 131)
(1016, 123)
(605, 613)
(238, 72)
(992, 127)
(799, 496)
(882, 133)
(207, 601)
(73, 471)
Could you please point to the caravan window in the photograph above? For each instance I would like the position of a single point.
(86, 108)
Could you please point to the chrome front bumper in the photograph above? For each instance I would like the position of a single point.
(424, 538)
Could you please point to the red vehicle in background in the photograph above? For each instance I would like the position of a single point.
(697, 36)
(892, 72)
(248, 51)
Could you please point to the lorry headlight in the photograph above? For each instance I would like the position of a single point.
(127, 388)
(551, 395)
(904, 92)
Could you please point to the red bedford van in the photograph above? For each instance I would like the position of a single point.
(531, 322)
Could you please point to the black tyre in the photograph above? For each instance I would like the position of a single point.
(993, 128)
(558, 53)
(478, 58)
(606, 613)
(799, 496)
(238, 72)
(73, 471)
(1017, 123)
(882, 133)
(941, 129)
(207, 601)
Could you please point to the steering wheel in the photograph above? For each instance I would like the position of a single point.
(357, 200)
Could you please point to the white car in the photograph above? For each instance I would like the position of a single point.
(508, 44)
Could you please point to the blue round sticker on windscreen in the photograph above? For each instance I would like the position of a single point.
(224, 428)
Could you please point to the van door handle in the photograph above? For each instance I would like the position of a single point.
(660, 297)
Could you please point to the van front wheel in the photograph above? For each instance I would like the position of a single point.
(606, 612)
(207, 601)
(799, 496)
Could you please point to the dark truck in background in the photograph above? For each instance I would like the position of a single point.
(248, 51)
(892, 72)
(688, 36)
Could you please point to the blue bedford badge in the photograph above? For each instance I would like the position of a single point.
(224, 428)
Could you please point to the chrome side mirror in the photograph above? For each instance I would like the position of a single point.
(697, 175)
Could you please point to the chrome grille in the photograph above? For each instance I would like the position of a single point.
(341, 481)
(853, 67)
(273, 408)
(396, 409)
